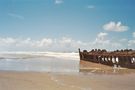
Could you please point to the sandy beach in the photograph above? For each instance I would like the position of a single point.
(92, 76)
(65, 81)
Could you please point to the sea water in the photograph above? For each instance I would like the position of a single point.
(39, 61)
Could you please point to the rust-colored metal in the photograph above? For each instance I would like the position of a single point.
(123, 58)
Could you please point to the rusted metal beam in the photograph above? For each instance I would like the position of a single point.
(123, 58)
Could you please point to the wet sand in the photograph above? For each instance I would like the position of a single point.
(86, 66)
(65, 81)
(92, 76)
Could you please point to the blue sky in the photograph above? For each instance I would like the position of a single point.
(65, 25)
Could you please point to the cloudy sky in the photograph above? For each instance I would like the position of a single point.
(66, 25)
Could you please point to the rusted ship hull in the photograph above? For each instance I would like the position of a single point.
(119, 59)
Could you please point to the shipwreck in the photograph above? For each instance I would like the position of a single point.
(119, 58)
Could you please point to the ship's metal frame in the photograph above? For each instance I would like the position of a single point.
(120, 58)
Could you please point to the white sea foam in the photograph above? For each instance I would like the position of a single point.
(39, 61)
(70, 56)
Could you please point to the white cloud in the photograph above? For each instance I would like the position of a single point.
(7, 40)
(123, 40)
(16, 16)
(69, 44)
(101, 41)
(65, 44)
(59, 1)
(134, 34)
(90, 6)
(117, 27)
(101, 38)
(45, 44)
(131, 43)
(102, 34)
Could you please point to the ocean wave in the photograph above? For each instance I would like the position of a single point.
(27, 55)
